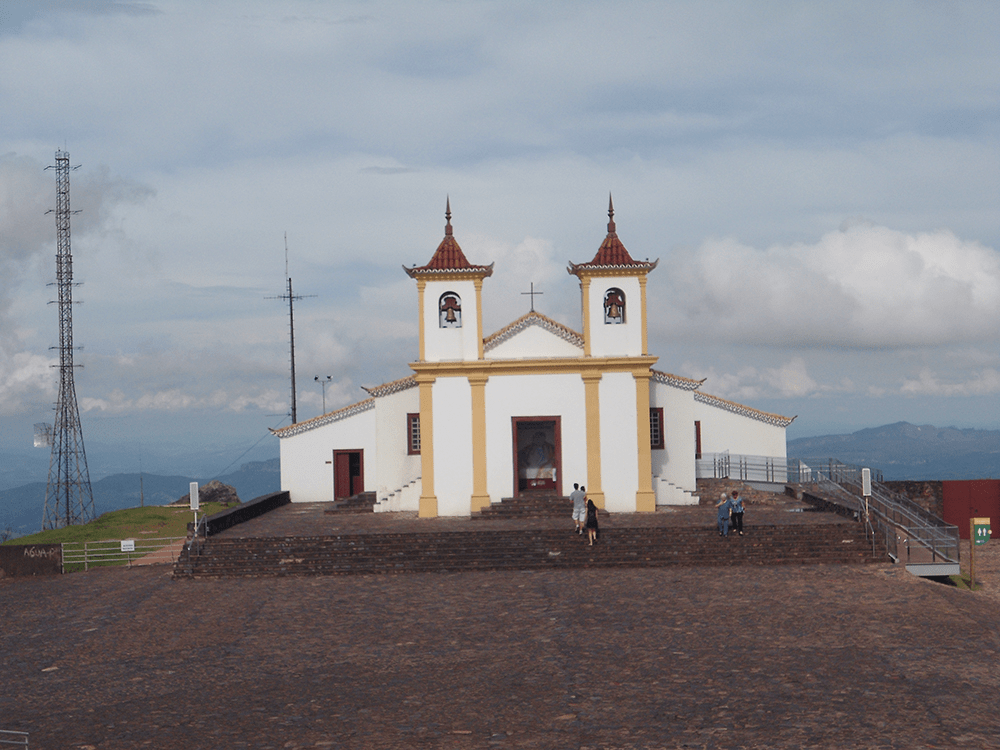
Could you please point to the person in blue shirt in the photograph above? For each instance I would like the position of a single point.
(737, 512)
(725, 507)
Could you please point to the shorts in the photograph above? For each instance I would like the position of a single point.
(580, 514)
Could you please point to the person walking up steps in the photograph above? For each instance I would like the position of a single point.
(579, 498)
(725, 507)
(737, 512)
(591, 520)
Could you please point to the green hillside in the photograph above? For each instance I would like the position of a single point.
(162, 521)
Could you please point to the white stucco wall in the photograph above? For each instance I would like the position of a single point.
(723, 430)
(619, 442)
(395, 467)
(675, 462)
(444, 344)
(307, 458)
(510, 396)
(452, 405)
(615, 340)
(534, 342)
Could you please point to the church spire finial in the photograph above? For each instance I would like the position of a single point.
(447, 216)
(611, 215)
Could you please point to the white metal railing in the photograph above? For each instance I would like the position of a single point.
(909, 531)
(745, 468)
(118, 552)
(10, 737)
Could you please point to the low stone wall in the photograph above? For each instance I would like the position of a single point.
(30, 559)
(228, 518)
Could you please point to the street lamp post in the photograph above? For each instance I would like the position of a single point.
(323, 383)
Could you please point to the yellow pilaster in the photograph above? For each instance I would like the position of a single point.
(645, 498)
(480, 495)
(585, 295)
(421, 285)
(479, 315)
(592, 399)
(428, 500)
(645, 326)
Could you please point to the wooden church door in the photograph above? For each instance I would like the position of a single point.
(348, 473)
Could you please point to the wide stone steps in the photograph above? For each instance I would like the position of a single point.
(523, 550)
(529, 505)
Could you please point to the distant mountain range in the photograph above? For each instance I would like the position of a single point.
(906, 451)
(22, 507)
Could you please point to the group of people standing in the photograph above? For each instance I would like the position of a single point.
(584, 513)
(730, 509)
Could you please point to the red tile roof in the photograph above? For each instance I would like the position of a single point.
(448, 256)
(612, 253)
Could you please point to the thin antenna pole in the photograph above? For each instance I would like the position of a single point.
(291, 325)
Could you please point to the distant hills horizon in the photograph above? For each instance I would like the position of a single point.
(904, 451)
(901, 451)
(22, 507)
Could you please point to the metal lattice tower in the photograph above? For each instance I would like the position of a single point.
(68, 496)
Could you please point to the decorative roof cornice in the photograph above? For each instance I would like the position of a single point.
(677, 381)
(526, 321)
(334, 416)
(746, 411)
(449, 259)
(611, 256)
(387, 389)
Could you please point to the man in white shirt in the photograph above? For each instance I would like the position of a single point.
(579, 499)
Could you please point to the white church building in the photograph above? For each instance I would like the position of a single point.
(533, 407)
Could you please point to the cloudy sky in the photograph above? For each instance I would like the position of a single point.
(818, 180)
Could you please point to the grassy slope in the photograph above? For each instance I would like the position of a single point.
(152, 522)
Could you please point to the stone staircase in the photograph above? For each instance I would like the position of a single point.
(513, 549)
(363, 502)
(528, 505)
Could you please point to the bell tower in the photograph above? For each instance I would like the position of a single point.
(449, 289)
(613, 291)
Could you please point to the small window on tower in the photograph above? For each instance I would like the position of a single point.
(656, 427)
(413, 434)
(450, 310)
(614, 306)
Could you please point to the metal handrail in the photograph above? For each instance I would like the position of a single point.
(109, 552)
(10, 737)
(891, 513)
(886, 511)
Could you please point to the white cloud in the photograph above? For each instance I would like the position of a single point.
(862, 287)
(985, 382)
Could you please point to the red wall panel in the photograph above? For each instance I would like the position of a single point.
(973, 498)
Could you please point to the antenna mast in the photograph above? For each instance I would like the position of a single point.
(291, 323)
(69, 499)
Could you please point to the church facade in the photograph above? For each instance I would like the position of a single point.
(533, 407)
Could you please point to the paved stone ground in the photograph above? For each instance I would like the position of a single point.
(783, 657)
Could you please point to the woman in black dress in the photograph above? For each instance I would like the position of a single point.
(591, 521)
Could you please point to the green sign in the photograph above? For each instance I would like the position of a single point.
(980, 530)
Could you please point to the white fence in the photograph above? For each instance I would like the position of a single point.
(86, 555)
(744, 468)
(11, 738)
